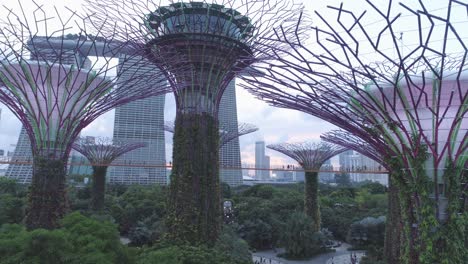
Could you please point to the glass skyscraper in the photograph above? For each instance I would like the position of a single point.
(140, 121)
(229, 154)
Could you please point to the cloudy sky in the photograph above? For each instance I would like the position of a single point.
(275, 125)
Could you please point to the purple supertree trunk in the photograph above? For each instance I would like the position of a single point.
(55, 91)
(407, 100)
(200, 47)
(311, 157)
(101, 152)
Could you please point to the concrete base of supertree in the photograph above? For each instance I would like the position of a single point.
(98, 188)
(47, 194)
(194, 208)
(311, 199)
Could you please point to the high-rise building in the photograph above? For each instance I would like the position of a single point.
(259, 159)
(266, 165)
(20, 169)
(261, 162)
(229, 154)
(140, 121)
(358, 166)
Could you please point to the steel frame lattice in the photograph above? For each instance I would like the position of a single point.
(200, 58)
(55, 91)
(225, 135)
(309, 155)
(411, 104)
(102, 151)
(200, 47)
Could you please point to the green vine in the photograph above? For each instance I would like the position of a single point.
(47, 202)
(194, 206)
(428, 239)
(311, 201)
(98, 188)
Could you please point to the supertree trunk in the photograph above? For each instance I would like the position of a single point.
(47, 194)
(311, 198)
(99, 188)
(194, 207)
(394, 226)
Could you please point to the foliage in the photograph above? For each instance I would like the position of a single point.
(136, 206)
(342, 180)
(11, 186)
(299, 237)
(236, 248)
(261, 212)
(369, 231)
(226, 190)
(194, 213)
(80, 240)
(11, 209)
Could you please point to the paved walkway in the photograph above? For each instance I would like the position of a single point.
(340, 256)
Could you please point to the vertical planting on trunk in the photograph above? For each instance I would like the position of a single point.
(311, 199)
(47, 195)
(394, 225)
(194, 204)
(98, 188)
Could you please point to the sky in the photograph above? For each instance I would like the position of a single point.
(275, 125)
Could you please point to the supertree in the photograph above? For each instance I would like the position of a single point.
(225, 135)
(393, 225)
(408, 100)
(101, 152)
(311, 157)
(55, 91)
(211, 44)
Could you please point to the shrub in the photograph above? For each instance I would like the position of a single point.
(300, 240)
(368, 231)
(81, 240)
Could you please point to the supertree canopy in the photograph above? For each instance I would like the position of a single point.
(311, 157)
(225, 135)
(393, 223)
(101, 152)
(200, 47)
(55, 90)
(408, 100)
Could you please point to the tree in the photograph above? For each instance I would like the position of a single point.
(342, 179)
(311, 157)
(101, 152)
(300, 239)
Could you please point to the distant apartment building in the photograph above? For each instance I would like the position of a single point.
(357, 166)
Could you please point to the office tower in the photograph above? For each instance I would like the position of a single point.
(259, 159)
(21, 169)
(229, 154)
(355, 164)
(140, 121)
(266, 164)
